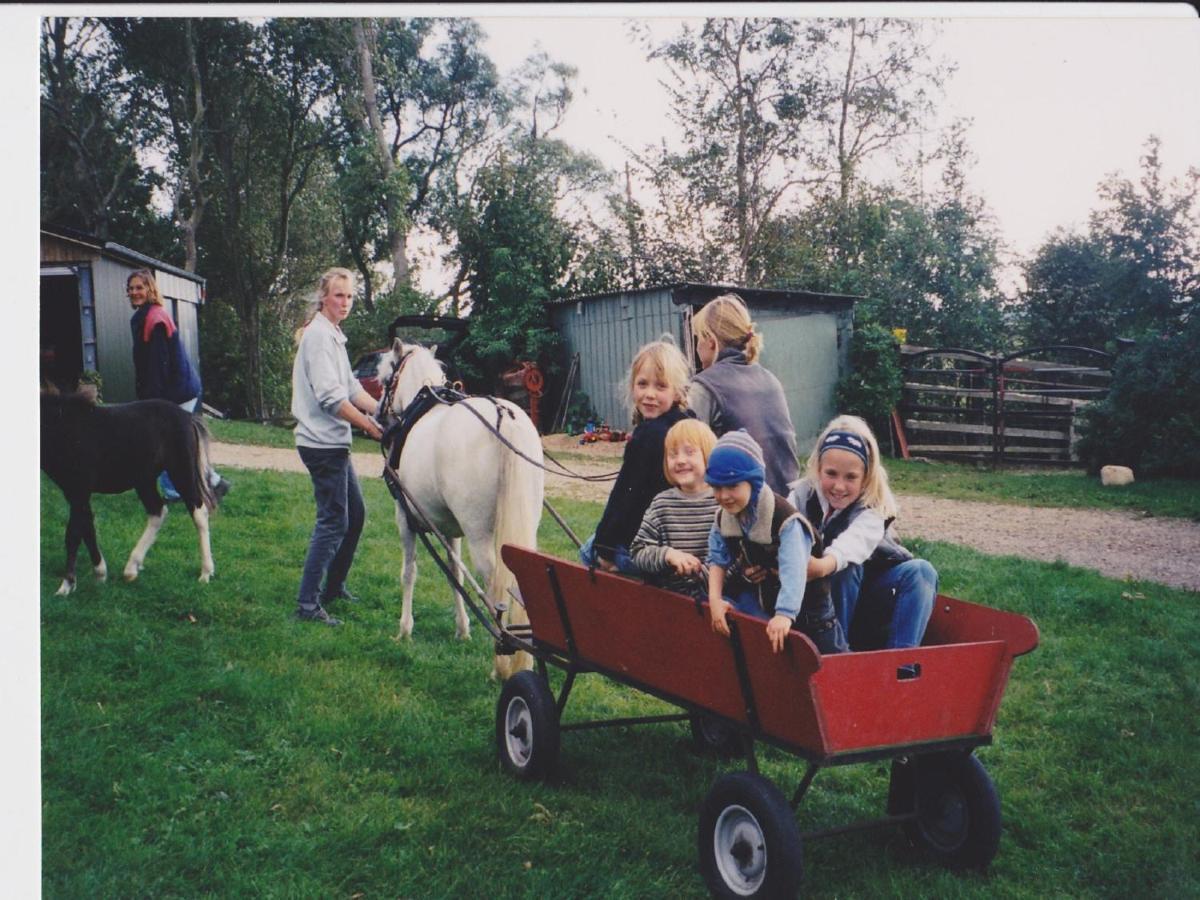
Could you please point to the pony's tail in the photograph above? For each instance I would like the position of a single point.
(200, 471)
(518, 512)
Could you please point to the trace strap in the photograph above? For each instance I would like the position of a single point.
(423, 402)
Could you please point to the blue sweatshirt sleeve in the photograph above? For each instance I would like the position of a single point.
(795, 547)
(718, 550)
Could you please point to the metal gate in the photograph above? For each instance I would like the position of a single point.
(1019, 408)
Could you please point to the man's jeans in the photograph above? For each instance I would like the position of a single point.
(902, 597)
(340, 516)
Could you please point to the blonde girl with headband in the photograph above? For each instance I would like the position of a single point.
(658, 378)
(882, 595)
(734, 391)
(326, 400)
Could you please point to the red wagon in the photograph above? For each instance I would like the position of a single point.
(925, 708)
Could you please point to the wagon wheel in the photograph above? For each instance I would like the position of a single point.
(958, 810)
(527, 726)
(711, 734)
(749, 843)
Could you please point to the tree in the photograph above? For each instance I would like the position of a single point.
(884, 92)
(408, 113)
(515, 252)
(771, 112)
(1135, 272)
(924, 264)
(1068, 283)
(743, 91)
(91, 177)
(236, 108)
(1150, 420)
(1152, 234)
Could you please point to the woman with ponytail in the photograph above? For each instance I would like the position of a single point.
(733, 391)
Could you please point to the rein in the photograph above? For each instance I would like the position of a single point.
(450, 397)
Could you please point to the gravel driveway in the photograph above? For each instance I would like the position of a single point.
(1116, 544)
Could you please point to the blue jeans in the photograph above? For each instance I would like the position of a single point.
(902, 597)
(164, 480)
(829, 641)
(587, 556)
(340, 517)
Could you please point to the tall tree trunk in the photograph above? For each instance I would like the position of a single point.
(397, 231)
(191, 222)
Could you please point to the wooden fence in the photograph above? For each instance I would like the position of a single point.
(1019, 408)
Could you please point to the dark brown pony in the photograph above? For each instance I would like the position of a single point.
(109, 449)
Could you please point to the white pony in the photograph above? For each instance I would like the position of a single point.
(469, 485)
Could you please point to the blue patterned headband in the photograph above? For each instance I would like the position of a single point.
(847, 440)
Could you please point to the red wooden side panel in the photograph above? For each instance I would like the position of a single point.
(866, 704)
(645, 634)
(957, 621)
(827, 705)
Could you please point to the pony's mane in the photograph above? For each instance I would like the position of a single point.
(422, 364)
(75, 399)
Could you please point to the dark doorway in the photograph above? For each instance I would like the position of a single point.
(61, 333)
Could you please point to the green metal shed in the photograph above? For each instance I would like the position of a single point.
(806, 342)
(84, 313)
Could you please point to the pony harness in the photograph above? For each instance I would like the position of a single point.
(396, 435)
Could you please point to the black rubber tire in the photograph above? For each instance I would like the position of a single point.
(711, 735)
(527, 733)
(958, 821)
(749, 842)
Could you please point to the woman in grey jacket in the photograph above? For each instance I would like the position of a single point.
(326, 400)
(734, 391)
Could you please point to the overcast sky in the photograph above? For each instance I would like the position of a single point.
(1059, 96)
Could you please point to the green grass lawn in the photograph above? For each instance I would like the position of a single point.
(232, 431)
(198, 742)
(1073, 488)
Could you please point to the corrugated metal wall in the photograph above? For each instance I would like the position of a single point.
(807, 349)
(172, 287)
(802, 350)
(606, 332)
(114, 343)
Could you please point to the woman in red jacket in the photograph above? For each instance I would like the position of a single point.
(162, 370)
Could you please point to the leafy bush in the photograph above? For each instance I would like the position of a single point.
(367, 329)
(1150, 420)
(871, 388)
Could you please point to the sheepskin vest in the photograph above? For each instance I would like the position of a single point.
(761, 548)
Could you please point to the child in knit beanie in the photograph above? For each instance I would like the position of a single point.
(758, 552)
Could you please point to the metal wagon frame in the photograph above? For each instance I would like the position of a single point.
(926, 709)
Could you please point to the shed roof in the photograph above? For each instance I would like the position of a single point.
(118, 251)
(691, 293)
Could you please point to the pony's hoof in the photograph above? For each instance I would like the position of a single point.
(101, 571)
(65, 588)
(130, 574)
(463, 634)
(204, 577)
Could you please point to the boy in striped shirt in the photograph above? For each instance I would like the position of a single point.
(671, 545)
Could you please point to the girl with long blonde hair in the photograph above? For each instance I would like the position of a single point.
(882, 595)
